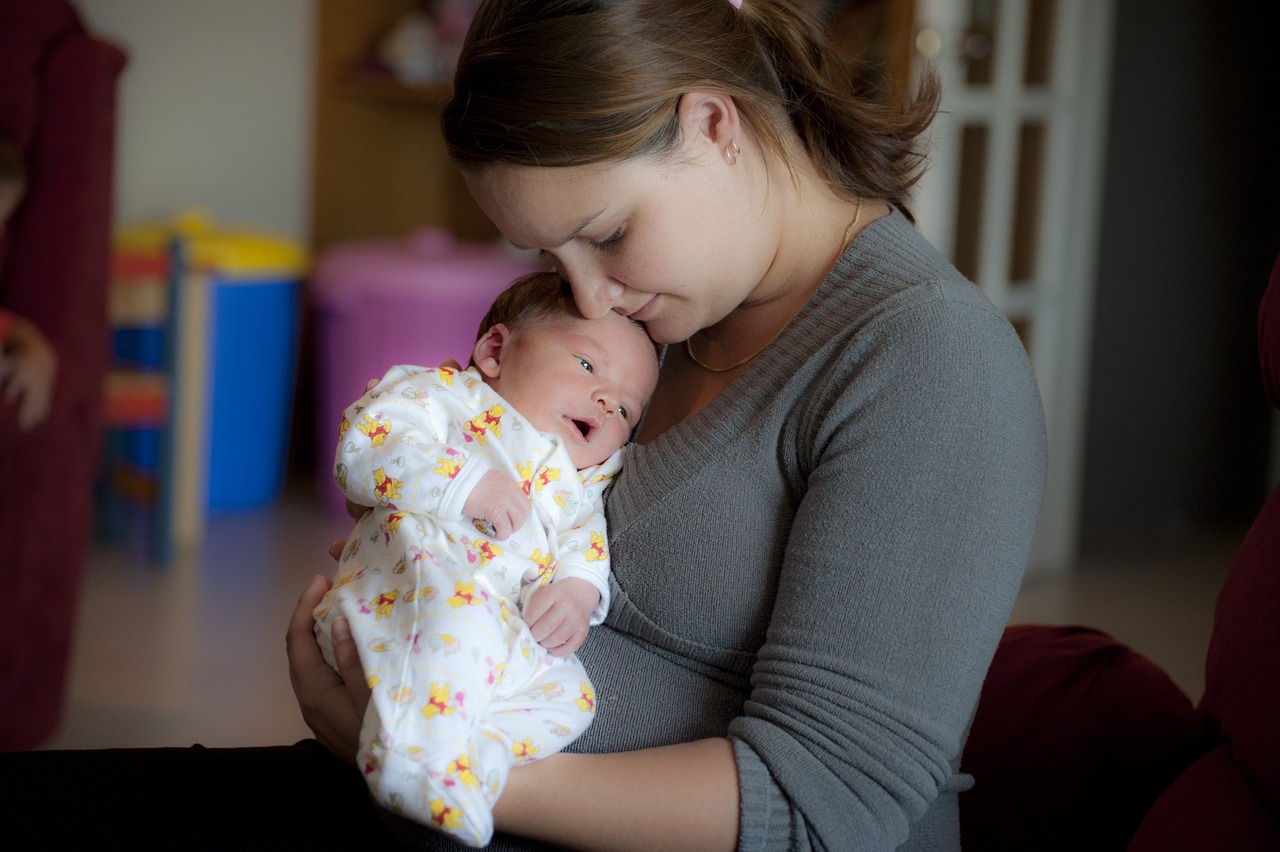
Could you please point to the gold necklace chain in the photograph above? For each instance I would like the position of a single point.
(688, 343)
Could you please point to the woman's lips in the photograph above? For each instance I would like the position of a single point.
(642, 313)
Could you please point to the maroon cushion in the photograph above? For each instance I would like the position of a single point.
(1210, 806)
(1242, 673)
(1075, 737)
(1242, 684)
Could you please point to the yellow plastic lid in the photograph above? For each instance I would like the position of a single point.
(231, 251)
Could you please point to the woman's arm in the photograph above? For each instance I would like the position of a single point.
(678, 797)
(682, 796)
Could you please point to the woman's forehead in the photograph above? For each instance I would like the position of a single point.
(559, 199)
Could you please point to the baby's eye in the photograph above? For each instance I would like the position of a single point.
(622, 412)
(586, 365)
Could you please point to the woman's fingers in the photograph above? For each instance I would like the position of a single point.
(305, 659)
(349, 667)
(327, 702)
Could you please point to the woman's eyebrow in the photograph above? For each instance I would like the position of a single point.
(578, 229)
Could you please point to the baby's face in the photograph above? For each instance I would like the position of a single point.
(586, 381)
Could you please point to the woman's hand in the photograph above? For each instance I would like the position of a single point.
(332, 704)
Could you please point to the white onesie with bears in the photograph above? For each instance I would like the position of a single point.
(460, 689)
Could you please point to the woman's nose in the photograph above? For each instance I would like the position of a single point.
(594, 293)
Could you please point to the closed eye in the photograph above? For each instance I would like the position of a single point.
(609, 243)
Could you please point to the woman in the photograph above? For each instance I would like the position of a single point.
(823, 523)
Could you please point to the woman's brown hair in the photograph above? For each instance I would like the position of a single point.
(574, 82)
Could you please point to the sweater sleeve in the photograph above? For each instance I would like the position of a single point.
(395, 449)
(921, 491)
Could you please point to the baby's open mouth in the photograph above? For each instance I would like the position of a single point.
(583, 426)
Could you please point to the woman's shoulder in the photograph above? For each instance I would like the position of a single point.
(894, 289)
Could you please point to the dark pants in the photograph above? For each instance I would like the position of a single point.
(277, 798)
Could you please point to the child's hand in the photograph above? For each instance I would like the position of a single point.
(559, 614)
(28, 367)
(498, 499)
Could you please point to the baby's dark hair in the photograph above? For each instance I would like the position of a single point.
(533, 298)
(530, 298)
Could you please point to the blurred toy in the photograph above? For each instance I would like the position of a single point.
(422, 48)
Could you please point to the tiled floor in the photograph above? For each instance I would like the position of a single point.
(195, 653)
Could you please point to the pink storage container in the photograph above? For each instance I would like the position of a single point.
(382, 302)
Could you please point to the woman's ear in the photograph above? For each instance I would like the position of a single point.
(487, 353)
(711, 119)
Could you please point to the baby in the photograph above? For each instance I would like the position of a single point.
(474, 578)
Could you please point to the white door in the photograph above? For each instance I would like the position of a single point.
(1013, 197)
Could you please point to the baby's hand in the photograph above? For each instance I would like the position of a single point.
(498, 499)
(559, 615)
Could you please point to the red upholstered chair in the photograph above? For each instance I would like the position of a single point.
(57, 102)
(1081, 743)
(1230, 797)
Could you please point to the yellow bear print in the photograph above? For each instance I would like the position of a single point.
(383, 604)
(444, 816)
(597, 551)
(531, 481)
(546, 568)
(389, 527)
(461, 770)
(385, 488)
(482, 549)
(546, 475)
(375, 430)
(464, 594)
(587, 700)
(478, 427)
(438, 704)
(447, 467)
(524, 751)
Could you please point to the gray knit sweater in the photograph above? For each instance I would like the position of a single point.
(819, 564)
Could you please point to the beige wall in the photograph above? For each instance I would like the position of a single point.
(215, 108)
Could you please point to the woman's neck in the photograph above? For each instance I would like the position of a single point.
(813, 226)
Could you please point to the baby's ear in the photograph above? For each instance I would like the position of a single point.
(487, 354)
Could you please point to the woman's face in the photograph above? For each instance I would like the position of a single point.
(674, 245)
